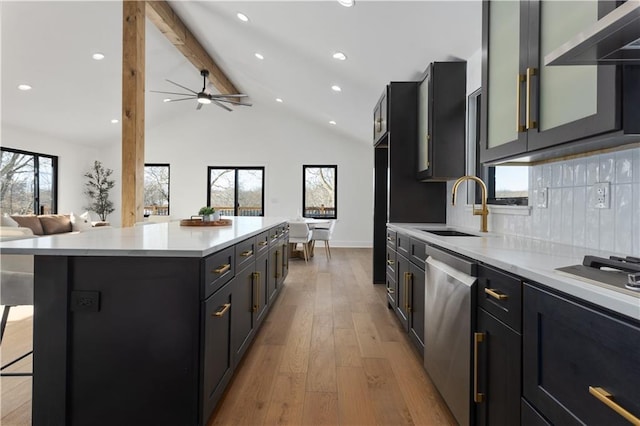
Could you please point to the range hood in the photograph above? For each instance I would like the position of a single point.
(614, 39)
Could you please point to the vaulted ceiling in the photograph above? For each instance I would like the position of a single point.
(49, 45)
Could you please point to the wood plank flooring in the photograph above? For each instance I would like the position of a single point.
(329, 353)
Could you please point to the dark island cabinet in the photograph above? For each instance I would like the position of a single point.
(580, 363)
(217, 353)
(542, 111)
(146, 340)
(416, 289)
(441, 121)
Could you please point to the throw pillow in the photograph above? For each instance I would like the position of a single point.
(55, 223)
(80, 223)
(7, 221)
(29, 221)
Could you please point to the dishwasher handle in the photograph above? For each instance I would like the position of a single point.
(461, 264)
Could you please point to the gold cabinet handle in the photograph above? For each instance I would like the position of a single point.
(391, 262)
(222, 311)
(263, 243)
(256, 283)
(246, 253)
(407, 277)
(276, 263)
(530, 123)
(390, 290)
(519, 80)
(607, 399)
(477, 396)
(222, 269)
(494, 293)
(409, 290)
(389, 238)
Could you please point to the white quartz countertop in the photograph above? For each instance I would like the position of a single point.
(533, 260)
(167, 239)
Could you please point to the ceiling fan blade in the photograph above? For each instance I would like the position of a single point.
(199, 106)
(235, 95)
(221, 105)
(170, 93)
(233, 102)
(182, 99)
(180, 85)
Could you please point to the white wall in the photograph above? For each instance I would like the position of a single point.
(260, 136)
(73, 161)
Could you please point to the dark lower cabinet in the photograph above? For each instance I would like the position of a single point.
(416, 306)
(576, 357)
(402, 295)
(242, 316)
(262, 288)
(217, 355)
(497, 372)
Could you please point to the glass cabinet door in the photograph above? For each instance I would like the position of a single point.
(504, 29)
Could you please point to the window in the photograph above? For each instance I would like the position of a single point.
(507, 184)
(236, 191)
(319, 191)
(28, 182)
(156, 189)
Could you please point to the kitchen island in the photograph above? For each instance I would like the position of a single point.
(146, 325)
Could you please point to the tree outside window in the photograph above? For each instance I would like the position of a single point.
(320, 191)
(156, 189)
(28, 182)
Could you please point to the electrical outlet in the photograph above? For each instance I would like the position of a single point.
(543, 194)
(602, 195)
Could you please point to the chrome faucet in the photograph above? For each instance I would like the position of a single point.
(483, 211)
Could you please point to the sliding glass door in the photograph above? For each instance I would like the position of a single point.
(236, 191)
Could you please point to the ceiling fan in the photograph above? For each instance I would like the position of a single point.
(204, 96)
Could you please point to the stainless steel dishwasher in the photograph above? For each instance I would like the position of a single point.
(449, 297)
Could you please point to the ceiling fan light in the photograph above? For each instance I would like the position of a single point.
(204, 100)
(347, 3)
(339, 56)
(241, 16)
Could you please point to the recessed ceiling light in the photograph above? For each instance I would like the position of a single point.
(24, 87)
(166, 100)
(336, 88)
(98, 56)
(115, 121)
(259, 56)
(333, 123)
(339, 56)
(347, 3)
(279, 100)
(241, 16)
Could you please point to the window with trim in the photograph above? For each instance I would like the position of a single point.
(28, 182)
(320, 191)
(506, 184)
(156, 189)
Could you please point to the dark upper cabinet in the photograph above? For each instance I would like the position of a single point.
(538, 111)
(441, 121)
(380, 118)
(580, 363)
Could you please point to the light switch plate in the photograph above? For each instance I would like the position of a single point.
(543, 196)
(602, 192)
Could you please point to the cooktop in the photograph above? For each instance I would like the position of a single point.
(623, 273)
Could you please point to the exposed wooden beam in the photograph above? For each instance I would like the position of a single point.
(170, 24)
(133, 37)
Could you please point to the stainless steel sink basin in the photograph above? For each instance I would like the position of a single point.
(448, 233)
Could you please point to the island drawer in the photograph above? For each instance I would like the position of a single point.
(391, 238)
(403, 244)
(276, 232)
(219, 268)
(245, 252)
(500, 294)
(262, 242)
(418, 252)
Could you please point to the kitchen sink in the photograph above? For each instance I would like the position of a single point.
(448, 233)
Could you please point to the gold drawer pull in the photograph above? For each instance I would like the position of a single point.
(246, 253)
(222, 269)
(494, 293)
(256, 277)
(224, 310)
(263, 243)
(607, 399)
(391, 262)
(477, 396)
(519, 80)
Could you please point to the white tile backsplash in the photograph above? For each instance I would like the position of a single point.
(570, 217)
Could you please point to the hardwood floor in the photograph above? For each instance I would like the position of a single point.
(329, 353)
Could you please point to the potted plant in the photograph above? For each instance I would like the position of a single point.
(208, 213)
(97, 189)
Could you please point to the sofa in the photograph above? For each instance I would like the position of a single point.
(30, 226)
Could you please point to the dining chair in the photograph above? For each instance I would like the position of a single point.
(299, 232)
(324, 234)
